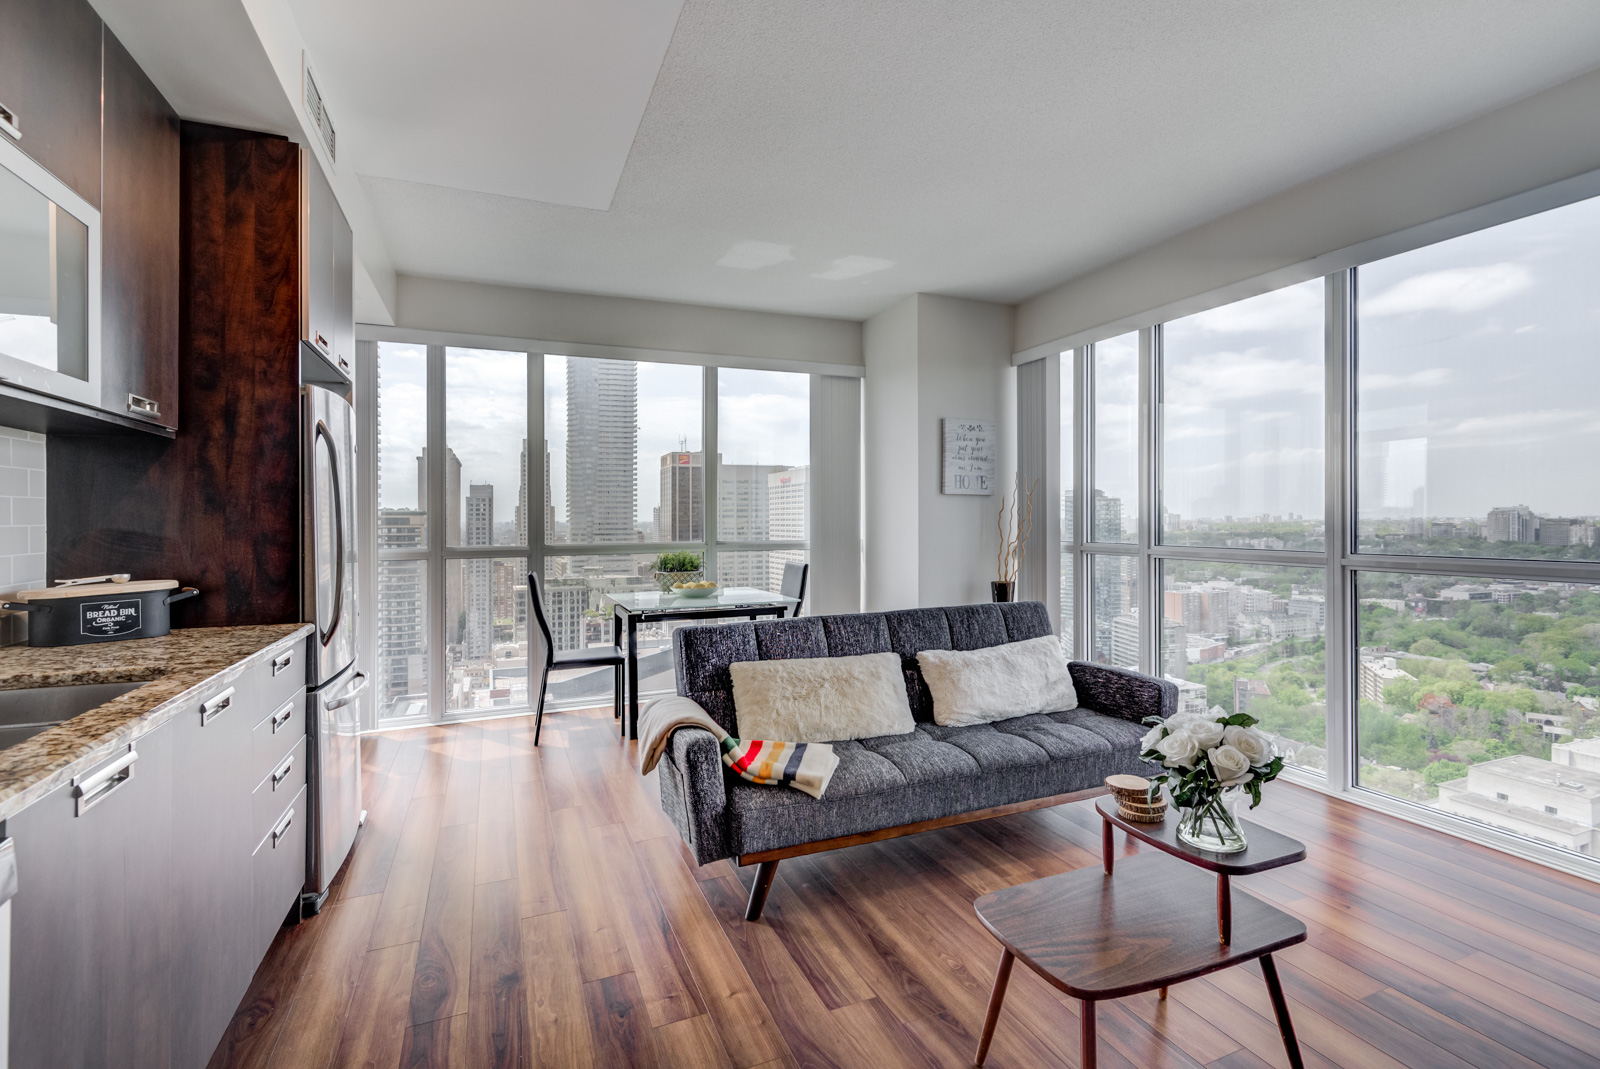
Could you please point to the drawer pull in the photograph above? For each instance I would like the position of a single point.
(92, 789)
(283, 828)
(281, 717)
(144, 406)
(282, 661)
(281, 773)
(210, 709)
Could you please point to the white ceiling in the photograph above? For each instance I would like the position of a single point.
(537, 100)
(830, 156)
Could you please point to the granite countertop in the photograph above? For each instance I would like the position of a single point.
(174, 665)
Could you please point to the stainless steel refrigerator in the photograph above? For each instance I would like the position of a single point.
(330, 599)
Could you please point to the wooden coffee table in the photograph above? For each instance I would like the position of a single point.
(1099, 935)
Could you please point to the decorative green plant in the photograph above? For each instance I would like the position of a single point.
(678, 561)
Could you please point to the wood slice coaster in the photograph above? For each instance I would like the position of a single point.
(1135, 801)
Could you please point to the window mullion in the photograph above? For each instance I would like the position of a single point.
(711, 481)
(437, 535)
(1338, 530)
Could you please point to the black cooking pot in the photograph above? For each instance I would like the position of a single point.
(98, 612)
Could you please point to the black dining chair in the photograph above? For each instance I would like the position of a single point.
(794, 583)
(593, 657)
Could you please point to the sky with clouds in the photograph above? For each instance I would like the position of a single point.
(1478, 385)
(1479, 371)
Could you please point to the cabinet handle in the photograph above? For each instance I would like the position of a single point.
(92, 789)
(283, 828)
(281, 773)
(281, 717)
(143, 406)
(282, 661)
(210, 709)
(321, 342)
(8, 122)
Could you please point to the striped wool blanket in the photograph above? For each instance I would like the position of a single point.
(805, 766)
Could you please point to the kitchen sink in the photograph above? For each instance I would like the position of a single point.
(25, 713)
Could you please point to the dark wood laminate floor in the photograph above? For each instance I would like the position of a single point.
(507, 906)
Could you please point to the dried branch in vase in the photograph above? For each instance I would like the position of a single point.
(1015, 523)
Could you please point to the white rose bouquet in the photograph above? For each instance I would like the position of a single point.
(1205, 756)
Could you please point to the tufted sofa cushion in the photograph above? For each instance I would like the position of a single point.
(937, 772)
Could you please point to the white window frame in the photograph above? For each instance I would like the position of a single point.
(439, 556)
(1340, 561)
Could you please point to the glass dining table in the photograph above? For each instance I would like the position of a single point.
(633, 609)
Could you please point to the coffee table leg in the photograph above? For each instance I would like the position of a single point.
(1163, 993)
(1002, 976)
(1087, 1035)
(1291, 1046)
(1105, 844)
(1224, 909)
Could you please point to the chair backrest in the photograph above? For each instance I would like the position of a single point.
(536, 596)
(794, 583)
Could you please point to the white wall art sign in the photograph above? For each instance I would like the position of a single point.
(969, 448)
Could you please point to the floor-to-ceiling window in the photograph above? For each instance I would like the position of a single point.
(1364, 509)
(494, 464)
(1477, 491)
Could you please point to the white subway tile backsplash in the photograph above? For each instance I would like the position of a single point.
(28, 455)
(24, 511)
(22, 523)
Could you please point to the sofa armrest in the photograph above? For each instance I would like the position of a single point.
(1121, 693)
(694, 792)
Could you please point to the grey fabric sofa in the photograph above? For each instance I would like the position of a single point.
(895, 784)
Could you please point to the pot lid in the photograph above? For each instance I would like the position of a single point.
(95, 590)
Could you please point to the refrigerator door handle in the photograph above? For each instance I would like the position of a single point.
(358, 683)
(336, 617)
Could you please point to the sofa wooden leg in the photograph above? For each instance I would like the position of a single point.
(765, 870)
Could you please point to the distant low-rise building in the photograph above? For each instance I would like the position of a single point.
(1542, 800)
(1191, 696)
(1375, 673)
(1581, 754)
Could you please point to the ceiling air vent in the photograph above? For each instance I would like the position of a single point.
(317, 112)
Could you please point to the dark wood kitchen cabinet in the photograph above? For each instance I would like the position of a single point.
(219, 505)
(139, 228)
(50, 84)
(89, 115)
(327, 270)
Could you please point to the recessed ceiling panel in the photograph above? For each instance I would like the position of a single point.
(536, 100)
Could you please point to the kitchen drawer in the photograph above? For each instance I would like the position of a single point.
(276, 733)
(224, 709)
(278, 869)
(278, 678)
(281, 783)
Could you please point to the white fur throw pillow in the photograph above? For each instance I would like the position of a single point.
(998, 682)
(821, 699)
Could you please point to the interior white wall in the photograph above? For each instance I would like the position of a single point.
(889, 414)
(1548, 137)
(929, 358)
(624, 322)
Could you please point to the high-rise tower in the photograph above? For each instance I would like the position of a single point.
(602, 449)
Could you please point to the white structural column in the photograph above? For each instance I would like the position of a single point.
(1038, 461)
(930, 358)
(835, 488)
